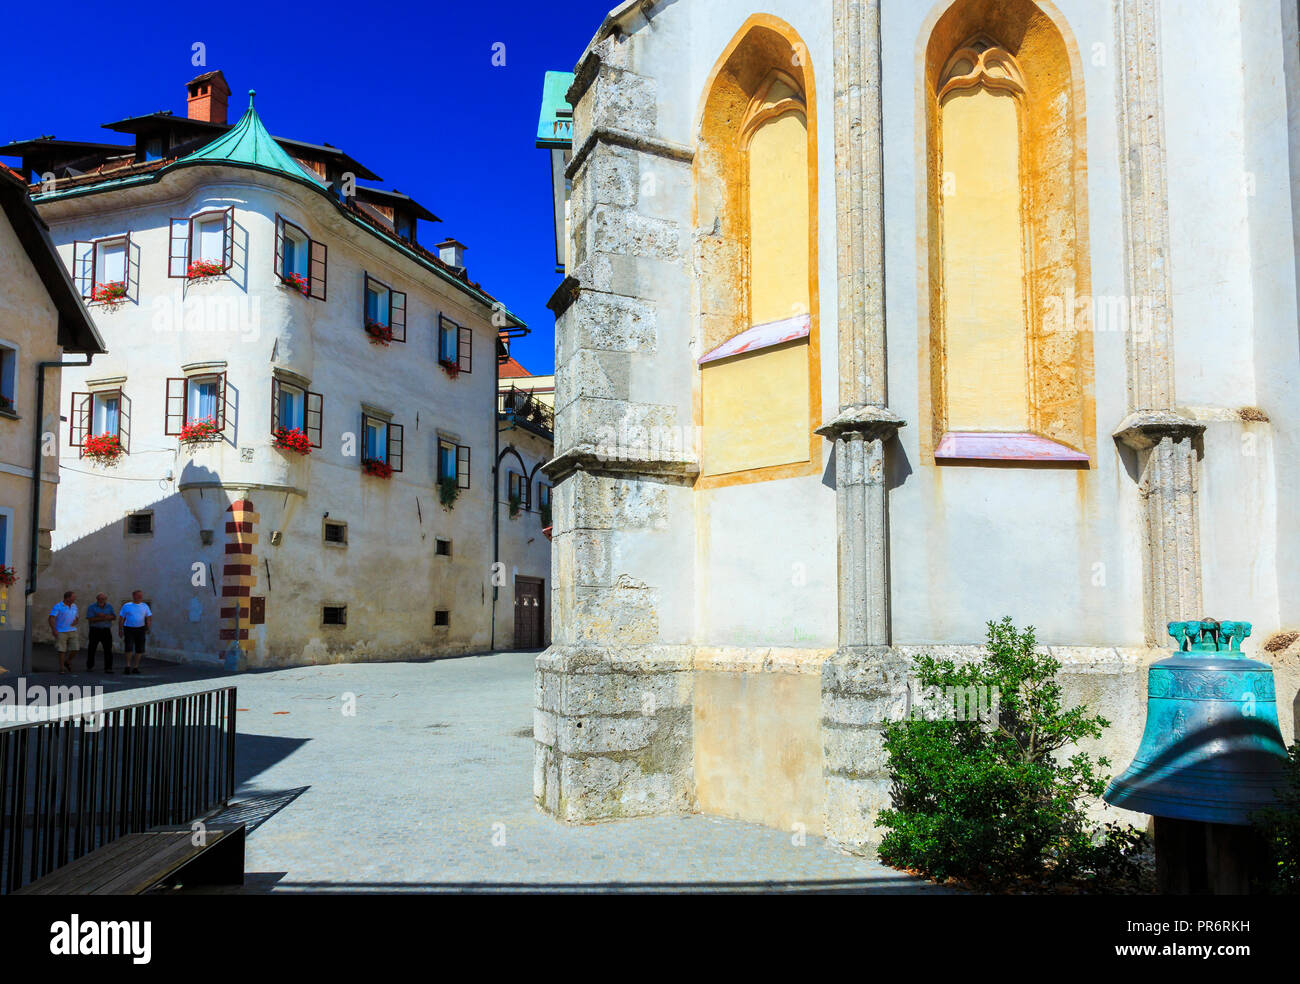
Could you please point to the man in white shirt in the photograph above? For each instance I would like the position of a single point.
(134, 619)
(63, 624)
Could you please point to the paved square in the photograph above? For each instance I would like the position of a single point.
(428, 787)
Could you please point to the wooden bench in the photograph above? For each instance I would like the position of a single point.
(134, 864)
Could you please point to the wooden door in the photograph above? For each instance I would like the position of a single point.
(528, 613)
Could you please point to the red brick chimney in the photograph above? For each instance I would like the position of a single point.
(207, 97)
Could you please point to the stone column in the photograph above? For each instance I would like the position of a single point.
(1164, 439)
(613, 716)
(860, 683)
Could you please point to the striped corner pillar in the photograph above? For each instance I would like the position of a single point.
(237, 575)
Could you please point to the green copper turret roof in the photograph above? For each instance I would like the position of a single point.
(248, 144)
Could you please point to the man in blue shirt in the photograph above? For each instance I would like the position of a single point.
(100, 616)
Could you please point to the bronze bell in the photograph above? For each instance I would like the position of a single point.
(1212, 750)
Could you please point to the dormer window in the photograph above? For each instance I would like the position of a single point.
(404, 227)
(300, 261)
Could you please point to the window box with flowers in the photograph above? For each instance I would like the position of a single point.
(296, 281)
(110, 294)
(8, 577)
(104, 449)
(376, 468)
(380, 333)
(450, 368)
(203, 431)
(292, 439)
(204, 269)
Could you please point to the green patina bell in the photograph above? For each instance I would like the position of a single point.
(1212, 750)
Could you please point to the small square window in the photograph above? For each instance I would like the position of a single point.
(336, 532)
(334, 615)
(139, 524)
(443, 548)
(441, 619)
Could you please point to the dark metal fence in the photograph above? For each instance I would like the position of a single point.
(70, 785)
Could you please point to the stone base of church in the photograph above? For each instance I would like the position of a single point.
(788, 738)
(613, 732)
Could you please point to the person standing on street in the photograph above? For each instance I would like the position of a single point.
(63, 624)
(100, 617)
(133, 624)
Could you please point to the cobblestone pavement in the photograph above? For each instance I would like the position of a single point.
(428, 787)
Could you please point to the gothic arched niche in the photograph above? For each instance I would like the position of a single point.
(1009, 358)
(755, 254)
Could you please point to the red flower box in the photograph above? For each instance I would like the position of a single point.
(452, 369)
(292, 439)
(8, 577)
(104, 449)
(201, 269)
(380, 334)
(112, 293)
(200, 432)
(377, 468)
(298, 282)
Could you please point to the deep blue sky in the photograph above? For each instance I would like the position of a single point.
(409, 90)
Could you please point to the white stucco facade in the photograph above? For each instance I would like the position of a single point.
(389, 573)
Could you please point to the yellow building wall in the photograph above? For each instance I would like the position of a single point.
(756, 410)
(984, 263)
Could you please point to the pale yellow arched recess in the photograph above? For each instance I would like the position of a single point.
(1007, 371)
(755, 242)
(983, 246)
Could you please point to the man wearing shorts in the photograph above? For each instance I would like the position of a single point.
(133, 623)
(63, 624)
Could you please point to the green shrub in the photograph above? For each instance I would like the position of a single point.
(1280, 827)
(997, 801)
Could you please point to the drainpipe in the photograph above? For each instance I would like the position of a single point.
(496, 472)
(34, 528)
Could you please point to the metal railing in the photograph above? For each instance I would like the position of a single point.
(72, 784)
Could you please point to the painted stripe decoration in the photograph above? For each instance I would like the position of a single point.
(238, 575)
(761, 337)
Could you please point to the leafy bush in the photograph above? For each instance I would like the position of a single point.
(1280, 828)
(996, 801)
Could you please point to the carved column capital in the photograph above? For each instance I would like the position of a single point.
(1142, 430)
(875, 422)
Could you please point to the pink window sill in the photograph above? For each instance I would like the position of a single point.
(960, 446)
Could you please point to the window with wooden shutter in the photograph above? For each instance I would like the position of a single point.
(314, 417)
(279, 246)
(178, 248)
(397, 314)
(395, 446)
(318, 255)
(79, 419)
(228, 247)
(462, 466)
(83, 267)
(465, 349)
(174, 405)
(124, 421)
(275, 405)
(223, 400)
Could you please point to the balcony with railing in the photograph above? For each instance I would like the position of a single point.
(523, 409)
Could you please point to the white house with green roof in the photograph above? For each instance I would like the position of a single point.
(290, 446)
